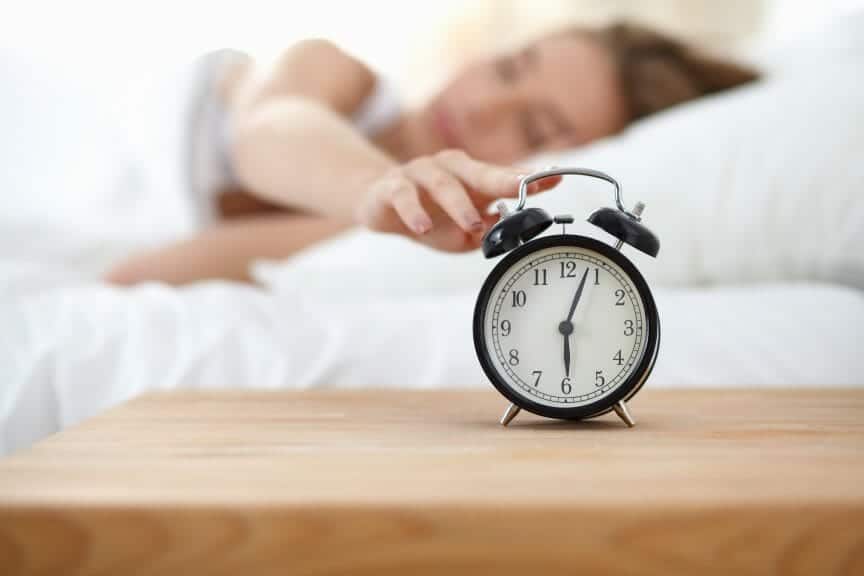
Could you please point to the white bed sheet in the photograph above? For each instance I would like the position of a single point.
(70, 351)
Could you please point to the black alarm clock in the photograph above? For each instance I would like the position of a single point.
(565, 326)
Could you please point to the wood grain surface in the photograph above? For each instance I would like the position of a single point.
(400, 482)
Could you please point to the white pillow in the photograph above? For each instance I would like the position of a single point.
(764, 183)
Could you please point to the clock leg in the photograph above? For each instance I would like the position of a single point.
(624, 414)
(509, 414)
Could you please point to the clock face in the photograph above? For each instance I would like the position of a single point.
(565, 325)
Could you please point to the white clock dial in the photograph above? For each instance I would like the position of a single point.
(554, 356)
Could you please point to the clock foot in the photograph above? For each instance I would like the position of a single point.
(624, 414)
(509, 414)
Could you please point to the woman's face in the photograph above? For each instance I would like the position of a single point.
(559, 92)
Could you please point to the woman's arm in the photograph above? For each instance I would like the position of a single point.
(296, 152)
(292, 142)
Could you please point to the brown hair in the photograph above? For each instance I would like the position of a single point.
(657, 72)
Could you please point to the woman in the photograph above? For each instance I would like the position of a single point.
(312, 144)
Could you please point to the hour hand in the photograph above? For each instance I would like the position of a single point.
(566, 329)
(567, 355)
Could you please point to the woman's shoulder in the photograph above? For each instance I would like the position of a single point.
(328, 73)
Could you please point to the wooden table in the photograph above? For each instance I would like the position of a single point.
(375, 482)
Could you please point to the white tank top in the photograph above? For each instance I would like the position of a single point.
(379, 110)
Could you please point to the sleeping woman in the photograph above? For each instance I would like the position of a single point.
(283, 157)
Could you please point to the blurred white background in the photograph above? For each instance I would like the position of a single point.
(407, 39)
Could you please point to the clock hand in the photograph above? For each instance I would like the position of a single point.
(577, 296)
(566, 327)
(567, 354)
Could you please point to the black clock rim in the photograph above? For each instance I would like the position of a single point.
(624, 391)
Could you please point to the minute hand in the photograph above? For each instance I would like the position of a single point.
(577, 296)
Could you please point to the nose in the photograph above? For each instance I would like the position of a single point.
(489, 113)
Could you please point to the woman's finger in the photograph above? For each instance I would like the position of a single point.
(544, 184)
(487, 179)
(447, 192)
(405, 200)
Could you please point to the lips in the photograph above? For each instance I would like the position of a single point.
(445, 127)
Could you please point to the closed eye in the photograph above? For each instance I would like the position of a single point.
(532, 135)
(506, 69)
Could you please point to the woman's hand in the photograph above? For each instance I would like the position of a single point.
(441, 200)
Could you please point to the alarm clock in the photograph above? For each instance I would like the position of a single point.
(565, 326)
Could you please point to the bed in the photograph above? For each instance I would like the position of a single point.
(759, 282)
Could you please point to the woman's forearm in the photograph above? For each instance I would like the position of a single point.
(297, 152)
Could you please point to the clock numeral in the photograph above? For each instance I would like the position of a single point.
(514, 357)
(599, 380)
(620, 295)
(519, 298)
(537, 374)
(568, 269)
(540, 277)
(628, 328)
(505, 328)
(566, 387)
(619, 358)
(596, 276)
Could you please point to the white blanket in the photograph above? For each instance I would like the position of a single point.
(68, 352)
